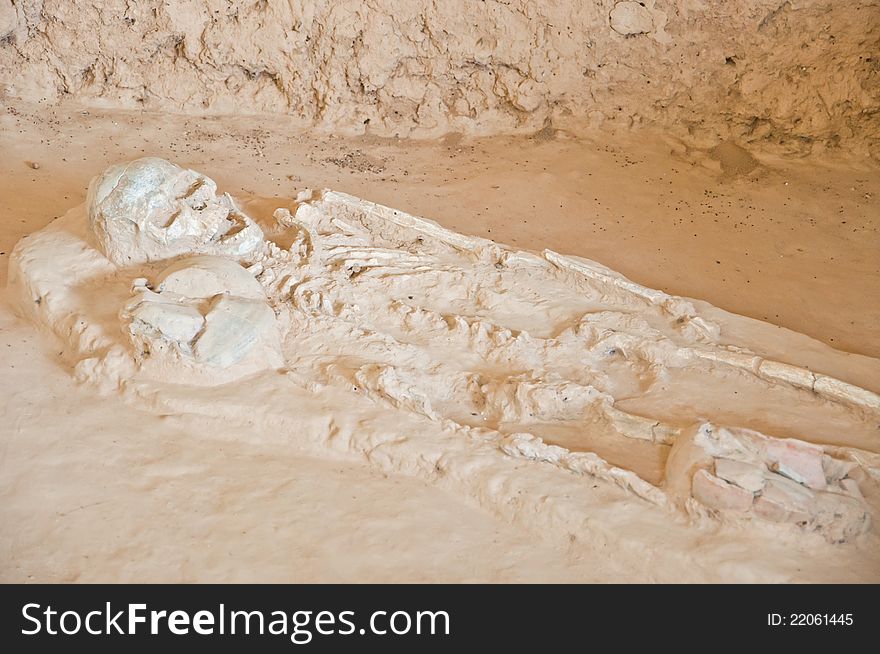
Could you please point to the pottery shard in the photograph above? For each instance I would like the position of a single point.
(744, 475)
(233, 327)
(797, 460)
(784, 500)
(203, 277)
(837, 470)
(851, 487)
(716, 493)
(173, 322)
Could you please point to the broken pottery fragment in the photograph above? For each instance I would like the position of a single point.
(176, 322)
(206, 310)
(745, 475)
(205, 276)
(718, 494)
(797, 460)
(784, 500)
(779, 480)
(233, 326)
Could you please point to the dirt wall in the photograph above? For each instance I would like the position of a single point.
(796, 73)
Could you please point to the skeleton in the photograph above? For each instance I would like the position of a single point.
(550, 358)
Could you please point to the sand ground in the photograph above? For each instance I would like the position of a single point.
(94, 490)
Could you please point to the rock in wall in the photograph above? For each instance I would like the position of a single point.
(796, 72)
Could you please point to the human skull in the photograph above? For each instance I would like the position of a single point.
(150, 209)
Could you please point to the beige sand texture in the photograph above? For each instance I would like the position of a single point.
(415, 422)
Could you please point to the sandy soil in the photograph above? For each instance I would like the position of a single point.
(793, 242)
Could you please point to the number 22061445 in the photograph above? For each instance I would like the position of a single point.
(810, 619)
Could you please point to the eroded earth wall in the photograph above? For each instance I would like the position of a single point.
(795, 72)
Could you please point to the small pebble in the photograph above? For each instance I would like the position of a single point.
(34, 165)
